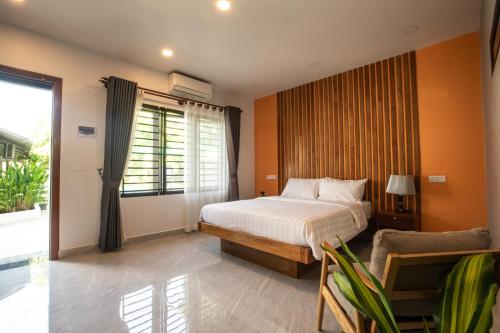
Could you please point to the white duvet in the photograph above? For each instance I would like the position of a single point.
(292, 221)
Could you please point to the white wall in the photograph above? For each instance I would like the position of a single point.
(83, 103)
(491, 89)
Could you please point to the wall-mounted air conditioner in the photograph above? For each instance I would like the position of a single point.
(184, 86)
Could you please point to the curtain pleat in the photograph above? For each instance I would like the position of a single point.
(120, 106)
(232, 117)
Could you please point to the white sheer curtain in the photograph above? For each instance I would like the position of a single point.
(138, 106)
(206, 177)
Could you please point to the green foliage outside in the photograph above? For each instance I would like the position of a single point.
(23, 184)
(466, 299)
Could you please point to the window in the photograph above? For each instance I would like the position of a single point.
(156, 162)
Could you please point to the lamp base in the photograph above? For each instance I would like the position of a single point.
(400, 209)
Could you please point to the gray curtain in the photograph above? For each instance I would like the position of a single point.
(120, 107)
(232, 118)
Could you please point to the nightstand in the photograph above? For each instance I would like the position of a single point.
(400, 221)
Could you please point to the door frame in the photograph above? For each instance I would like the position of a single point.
(34, 79)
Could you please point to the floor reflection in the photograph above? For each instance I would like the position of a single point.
(139, 309)
(30, 292)
(136, 310)
(174, 305)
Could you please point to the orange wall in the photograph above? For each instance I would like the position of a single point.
(266, 144)
(451, 134)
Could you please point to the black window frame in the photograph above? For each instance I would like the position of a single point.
(162, 154)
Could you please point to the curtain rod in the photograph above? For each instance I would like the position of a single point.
(180, 100)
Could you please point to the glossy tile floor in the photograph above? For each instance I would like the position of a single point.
(176, 284)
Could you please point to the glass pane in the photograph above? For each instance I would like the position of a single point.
(143, 171)
(175, 172)
(175, 186)
(141, 179)
(210, 152)
(134, 188)
(175, 131)
(138, 172)
(142, 164)
(143, 149)
(143, 141)
(146, 128)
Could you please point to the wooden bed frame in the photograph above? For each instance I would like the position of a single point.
(291, 260)
(288, 259)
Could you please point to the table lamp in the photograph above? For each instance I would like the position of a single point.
(401, 185)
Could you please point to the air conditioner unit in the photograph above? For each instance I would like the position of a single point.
(184, 86)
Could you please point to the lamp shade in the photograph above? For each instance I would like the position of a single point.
(401, 185)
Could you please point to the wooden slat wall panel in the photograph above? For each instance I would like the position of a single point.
(359, 124)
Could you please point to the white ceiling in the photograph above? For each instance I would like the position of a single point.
(259, 46)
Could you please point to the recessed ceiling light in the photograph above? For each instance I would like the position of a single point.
(223, 5)
(167, 52)
(411, 29)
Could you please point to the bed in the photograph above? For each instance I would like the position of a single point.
(282, 233)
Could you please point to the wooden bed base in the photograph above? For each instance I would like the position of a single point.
(288, 259)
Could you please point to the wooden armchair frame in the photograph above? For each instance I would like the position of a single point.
(392, 265)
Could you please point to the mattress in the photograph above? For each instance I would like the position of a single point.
(292, 221)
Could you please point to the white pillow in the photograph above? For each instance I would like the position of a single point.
(300, 188)
(341, 190)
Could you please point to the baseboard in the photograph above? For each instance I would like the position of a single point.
(66, 253)
(156, 235)
(136, 239)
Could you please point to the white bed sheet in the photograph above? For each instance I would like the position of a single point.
(367, 208)
(292, 221)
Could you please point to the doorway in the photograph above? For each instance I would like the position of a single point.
(30, 131)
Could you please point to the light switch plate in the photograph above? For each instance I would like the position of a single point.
(271, 177)
(437, 179)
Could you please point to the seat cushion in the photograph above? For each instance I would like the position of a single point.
(348, 308)
(406, 242)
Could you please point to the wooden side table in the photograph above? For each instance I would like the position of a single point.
(399, 221)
